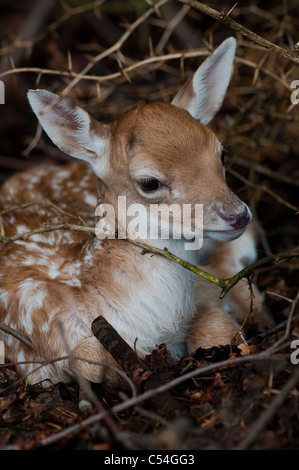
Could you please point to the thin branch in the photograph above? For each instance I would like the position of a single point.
(224, 18)
(270, 411)
(267, 171)
(112, 76)
(231, 282)
(248, 314)
(46, 228)
(224, 284)
(48, 203)
(16, 334)
(286, 335)
(265, 189)
(114, 48)
(273, 331)
(136, 67)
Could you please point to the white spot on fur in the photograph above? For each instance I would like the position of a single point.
(75, 282)
(22, 228)
(88, 258)
(4, 298)
(54, 271)
(43, 238)
(73, 269)
(31, 296)
(91, 200)
(20, 356)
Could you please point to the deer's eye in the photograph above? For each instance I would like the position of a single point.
(150, 184)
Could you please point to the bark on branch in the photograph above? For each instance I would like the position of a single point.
(224, 18)
(137, 369)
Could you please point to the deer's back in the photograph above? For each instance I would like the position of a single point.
(38, 274)
(72, 187)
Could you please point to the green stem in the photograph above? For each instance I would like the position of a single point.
(245, 272)
(224, 284)
(185, 264)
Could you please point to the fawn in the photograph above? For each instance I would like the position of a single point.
(155, 153)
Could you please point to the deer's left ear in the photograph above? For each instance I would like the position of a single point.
(203, 94)
(71, 128)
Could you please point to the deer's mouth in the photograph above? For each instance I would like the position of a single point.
(224, 235)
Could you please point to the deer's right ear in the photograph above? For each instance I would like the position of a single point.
(71, 128)
(203, 94)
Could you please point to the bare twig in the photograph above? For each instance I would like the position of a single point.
(288, 323)
(100, 79)
(139, 67)
(114, 48)
(252, 267)
(250, 311)
(276, 329)
(16, 334)
(224, 18)
(270, 411)
(267, 171)
(265, 189)
(45, 202)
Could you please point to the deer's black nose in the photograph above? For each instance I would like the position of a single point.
(236, 220)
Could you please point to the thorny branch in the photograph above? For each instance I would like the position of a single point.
(137, 67)
(100, 79)
(116, 47)
(224, 17)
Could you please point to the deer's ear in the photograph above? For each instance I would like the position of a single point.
(203, 94)
(71, 128)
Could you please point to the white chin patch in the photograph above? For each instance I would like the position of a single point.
(222, 235)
